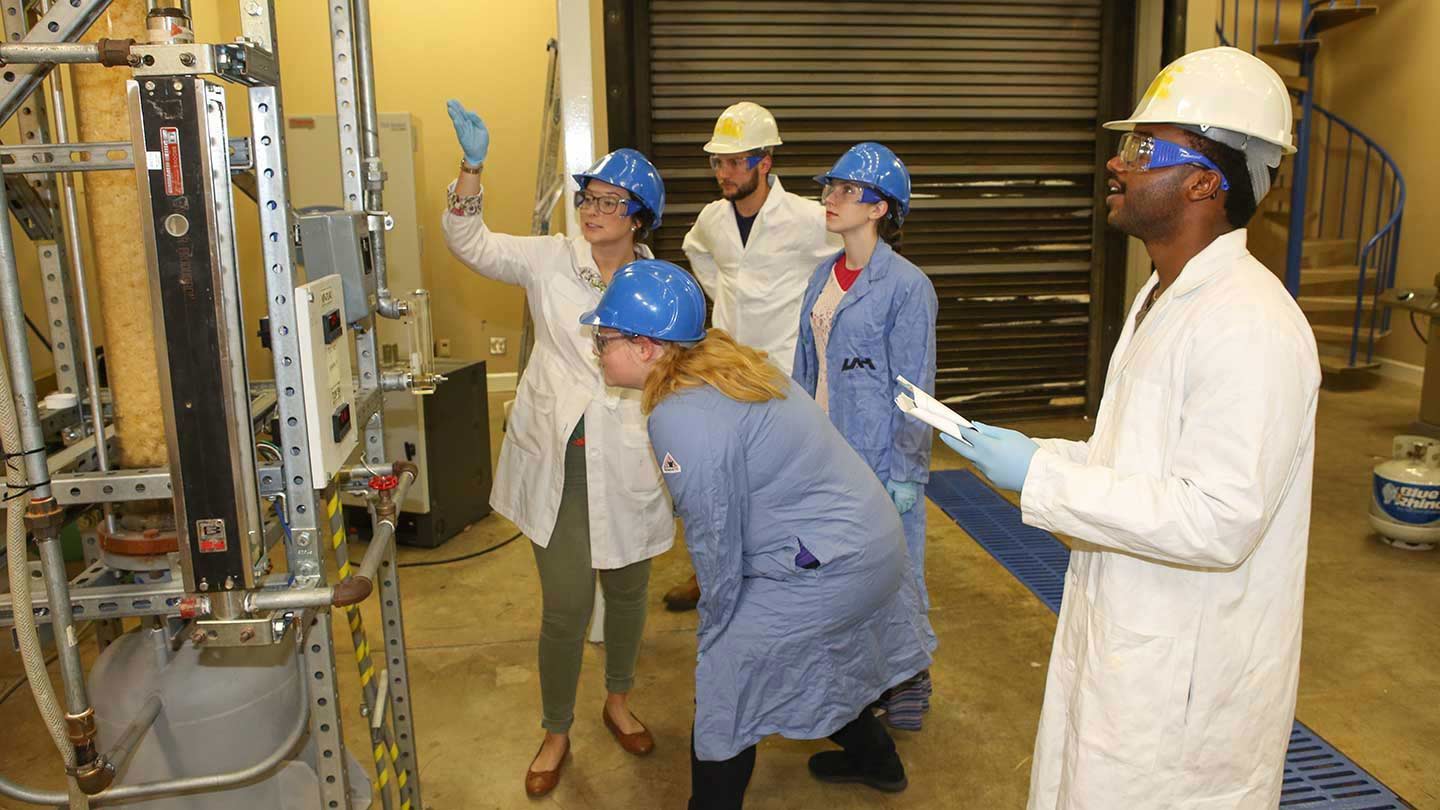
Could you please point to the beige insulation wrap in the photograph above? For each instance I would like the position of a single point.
(102, 114)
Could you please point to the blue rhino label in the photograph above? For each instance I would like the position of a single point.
(1416, 504)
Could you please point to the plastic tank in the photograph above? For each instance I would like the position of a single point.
(1405, 494)
(225, 708)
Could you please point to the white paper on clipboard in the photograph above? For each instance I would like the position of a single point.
(934, 420)
(941, 422)
(929, 404)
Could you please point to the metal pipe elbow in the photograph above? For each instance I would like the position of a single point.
(95, 776)
(352, 591)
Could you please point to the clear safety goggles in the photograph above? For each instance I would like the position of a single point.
(845, 191)
(607, 204)
(735, 163)
(1142, 153)
(601, 341)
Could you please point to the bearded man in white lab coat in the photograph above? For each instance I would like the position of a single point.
(753, 251)
(1173, 675)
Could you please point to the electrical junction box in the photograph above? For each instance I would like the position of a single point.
(325, 374)
(332, 242)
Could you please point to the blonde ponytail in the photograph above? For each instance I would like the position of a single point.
(737, 371)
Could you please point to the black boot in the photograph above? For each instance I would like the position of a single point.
(868, 757)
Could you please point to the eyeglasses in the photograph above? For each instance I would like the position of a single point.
(606, 205)
(1142, 153)
(848, 192)
(601, 341)
(733, 163)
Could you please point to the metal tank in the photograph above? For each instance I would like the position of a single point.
(225, 708)
(1405, 494)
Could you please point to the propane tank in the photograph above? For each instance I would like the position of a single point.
(1405, 495)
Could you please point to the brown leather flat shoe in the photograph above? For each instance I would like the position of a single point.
(683, 597)
(640, 743)
(540, 783)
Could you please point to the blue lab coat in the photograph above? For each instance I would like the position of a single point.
(884, 326)
(784, 649)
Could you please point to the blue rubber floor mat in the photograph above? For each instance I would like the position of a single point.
(1317, 777)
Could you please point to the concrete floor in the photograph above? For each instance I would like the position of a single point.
(1370, 679)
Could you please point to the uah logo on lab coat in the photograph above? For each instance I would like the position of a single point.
(857, 362)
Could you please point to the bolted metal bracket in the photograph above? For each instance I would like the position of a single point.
(270, 628)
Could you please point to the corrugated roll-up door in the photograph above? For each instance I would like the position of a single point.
(992, 105)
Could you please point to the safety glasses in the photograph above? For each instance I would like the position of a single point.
(734, 163)
(601, 341)
(607, 204)
(844, 191)
(1142, 153)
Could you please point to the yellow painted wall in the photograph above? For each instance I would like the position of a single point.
(1380, 75)
(491, 55)
(29, 269)
(28, 264)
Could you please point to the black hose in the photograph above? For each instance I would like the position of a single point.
(472, 555)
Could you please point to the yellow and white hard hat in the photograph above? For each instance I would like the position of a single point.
(742, 128)
(1218, 87)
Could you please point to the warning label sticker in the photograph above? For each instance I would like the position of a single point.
(210, 535)
(670, 466)
(170, 161)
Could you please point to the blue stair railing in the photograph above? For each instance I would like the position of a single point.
(1372, 218)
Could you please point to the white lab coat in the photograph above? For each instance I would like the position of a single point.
(1173, 675)
(630, 513)
(757, 286)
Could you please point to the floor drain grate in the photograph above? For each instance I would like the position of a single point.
(1317, 777)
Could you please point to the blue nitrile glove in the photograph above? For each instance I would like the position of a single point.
(470, 131)
(903, 493)
(1002, 455)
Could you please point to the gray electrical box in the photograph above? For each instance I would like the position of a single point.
(331, 242)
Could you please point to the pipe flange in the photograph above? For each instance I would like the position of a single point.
(148, 542)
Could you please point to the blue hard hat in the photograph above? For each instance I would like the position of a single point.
(874, 165)
(631, 171)
(653, 298)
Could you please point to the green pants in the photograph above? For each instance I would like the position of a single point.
(567, 583)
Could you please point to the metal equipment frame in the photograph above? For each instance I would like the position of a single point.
(38, 183)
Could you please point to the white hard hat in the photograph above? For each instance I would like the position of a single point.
(1218, 87)
(743, 127)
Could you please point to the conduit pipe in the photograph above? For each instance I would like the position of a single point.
(43, 515)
